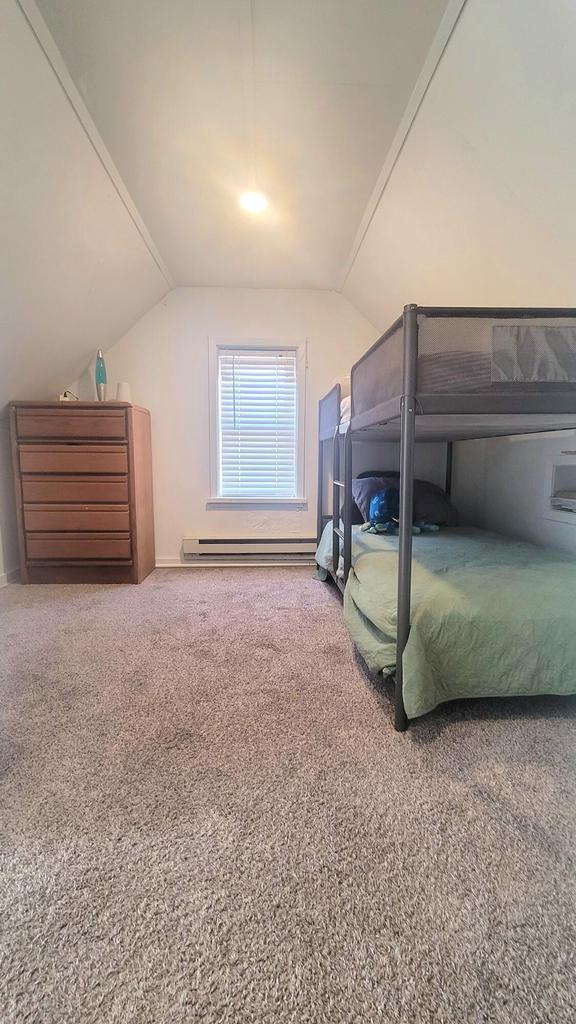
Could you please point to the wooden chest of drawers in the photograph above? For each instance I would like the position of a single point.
(83, 481)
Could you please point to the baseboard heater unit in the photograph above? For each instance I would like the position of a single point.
(217, 550)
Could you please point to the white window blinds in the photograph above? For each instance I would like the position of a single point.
(258, 423)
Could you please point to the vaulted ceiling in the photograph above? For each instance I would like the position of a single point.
(198, 100)
(406, 146)
(129, 129)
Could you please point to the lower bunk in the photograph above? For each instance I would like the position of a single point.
(490, 616)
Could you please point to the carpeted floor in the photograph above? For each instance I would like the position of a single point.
(206, 816)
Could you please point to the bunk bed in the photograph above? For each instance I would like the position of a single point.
(333, 428)
(451, 374)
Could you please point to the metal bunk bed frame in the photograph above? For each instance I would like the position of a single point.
(500, 415)
(330, 429)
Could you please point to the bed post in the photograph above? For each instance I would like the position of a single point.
(336, 502)
(407, 432)
(449, 467)
(320, 497)
(347, 503)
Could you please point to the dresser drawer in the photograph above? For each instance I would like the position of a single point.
(87, 489)
(70, 546)
(68, 422)
(73, 458)
(83, 489)
(45, 518)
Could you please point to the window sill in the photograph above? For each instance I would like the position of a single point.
(272, 503)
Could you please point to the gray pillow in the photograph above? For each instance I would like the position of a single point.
(364, 489)
(431, 503)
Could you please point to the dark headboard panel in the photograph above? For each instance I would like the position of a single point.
(329, 413)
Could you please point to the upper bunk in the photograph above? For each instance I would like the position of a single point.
(473, 372)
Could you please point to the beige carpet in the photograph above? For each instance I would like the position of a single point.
(206, 816)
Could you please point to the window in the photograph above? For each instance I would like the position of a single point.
(257, 435)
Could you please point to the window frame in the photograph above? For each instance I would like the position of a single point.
(300, 347)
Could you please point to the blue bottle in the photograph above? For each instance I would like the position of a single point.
(100, 376)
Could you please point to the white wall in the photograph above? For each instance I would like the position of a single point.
(164, 357)
(429, 463)
(480, 206)
(517, 488)
(75, 271)
(480, 210)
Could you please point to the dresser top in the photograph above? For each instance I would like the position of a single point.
(75, 404)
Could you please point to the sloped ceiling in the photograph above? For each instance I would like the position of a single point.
(479, 209)
(186, 103)
(199, 100)
(74, 270)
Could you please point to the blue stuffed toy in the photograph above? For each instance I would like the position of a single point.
(385, 514)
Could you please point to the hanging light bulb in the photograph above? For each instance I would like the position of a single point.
(253, 202)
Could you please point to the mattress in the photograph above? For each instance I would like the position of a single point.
(490, 617)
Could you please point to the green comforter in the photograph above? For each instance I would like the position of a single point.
(490, 617)
(362, 544)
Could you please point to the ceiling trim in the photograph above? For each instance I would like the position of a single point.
(439, 44)
(41, 34)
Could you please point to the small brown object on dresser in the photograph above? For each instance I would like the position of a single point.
(83, 482)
